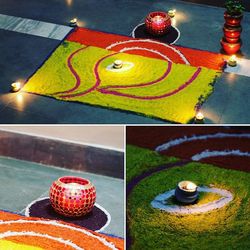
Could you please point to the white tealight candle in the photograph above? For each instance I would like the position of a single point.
(199, 117)
(232, 62)
(74, 185)
(187, 186)
(190, 186)
(15, 86)
(157, 19)
(118, 64)
(73, 22)
(172, 12)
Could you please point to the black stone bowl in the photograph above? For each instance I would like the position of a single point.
(185, 196)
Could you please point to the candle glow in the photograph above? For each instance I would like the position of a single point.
(15, 86)
(73, 22)
(191, 186)
(172, 12)
(187, 185)
(157, 19)
(232, 61)
(199, 116)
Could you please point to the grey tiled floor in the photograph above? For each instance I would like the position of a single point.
(200, 26)
(22, 182)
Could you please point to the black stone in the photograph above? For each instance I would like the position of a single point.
(185, 197)
(170, 37)
(94, 220)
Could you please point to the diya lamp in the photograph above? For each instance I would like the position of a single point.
(232, 62)
(72, 196)
(117, 64)
(15, 86)
(186, 192)
(172, 13)
(73, 22)
(199, 117)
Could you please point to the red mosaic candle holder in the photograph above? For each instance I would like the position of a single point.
(72, 196)
(158, 23)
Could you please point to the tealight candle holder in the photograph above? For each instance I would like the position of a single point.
(158, 23)
(186, 192)
(73, 22)
(199, 117)
(15, 86)
(172, 13)
(232, 62)
(72, 196)
(117, 64)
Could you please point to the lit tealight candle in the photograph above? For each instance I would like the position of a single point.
(15, 86)
(190, 186)
(73, 22)
(172, 12)
(232, 62)
(74, 185)
(118, 64)
(199, 117)
(186, 192)
(157, 19)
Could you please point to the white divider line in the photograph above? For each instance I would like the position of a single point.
(33, 27)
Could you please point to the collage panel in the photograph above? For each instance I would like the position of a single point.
(188, 187)
(124, 62)
(124, 124)
(62, 187)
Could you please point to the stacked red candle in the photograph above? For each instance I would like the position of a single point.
(232, 29)
(158, 23)
(72, 196)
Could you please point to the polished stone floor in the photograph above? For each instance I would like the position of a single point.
(24, 50)
(22, 182)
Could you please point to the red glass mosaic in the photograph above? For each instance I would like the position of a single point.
(158, 23)
(72, 196)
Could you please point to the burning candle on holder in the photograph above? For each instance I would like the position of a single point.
(199, 117)
(172, 12)
(157, 19)
(186, 192)
(73, 22)
(72, 196)
(158, 23)
(15, 86)
(232, 62)
(118, 64)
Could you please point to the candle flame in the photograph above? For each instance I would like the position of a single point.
(233, 58)
(16, 84)
(157, 19)
(199, 116)
(172, 12)
(191, 186)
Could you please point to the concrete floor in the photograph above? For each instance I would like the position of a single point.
(22, 182)
(21, 54)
